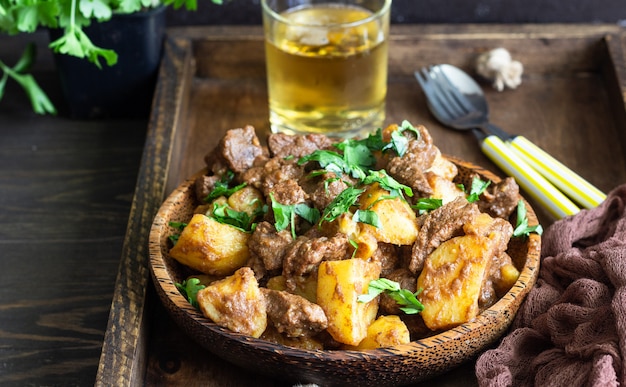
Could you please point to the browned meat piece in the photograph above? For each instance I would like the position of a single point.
(283, 145)
(236, 151)
(288, 192)
(500, 200)
(388, 256)
(271, 172)
(305, 254)
(407, 280)
(409, 169)
(323, 189)
(438, 226)
(204, 185)
(269, 245)
(294, 315)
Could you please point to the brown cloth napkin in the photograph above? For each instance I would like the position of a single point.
(571, 329)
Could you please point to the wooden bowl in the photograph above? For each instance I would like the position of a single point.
(397, 365)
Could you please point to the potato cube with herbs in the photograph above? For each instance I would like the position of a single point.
(339, 284)
(398, 223)
(451, 281)
(236, 303)
(211, 247)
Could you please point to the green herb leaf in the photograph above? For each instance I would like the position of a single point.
(408, 301)
(179, 226)
(427, 204)
(478, 187)
(399, 142)
(285, 215)
(341, 203)
(367, 217)
(222, 187)
(189, 289)
(521, 227)
(388, 183)
(226, 215)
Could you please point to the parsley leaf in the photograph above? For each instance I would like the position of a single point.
(285, 215)
(399, 142)
(367, 217)
(478, 187)
(408, 301)
(427, 204)
(388, 183)
(341, 203)
(239, 219)
(521, 227)
(179, 226)
(190, 288)
(221, 187)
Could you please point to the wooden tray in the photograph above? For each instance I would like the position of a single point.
(571, 103)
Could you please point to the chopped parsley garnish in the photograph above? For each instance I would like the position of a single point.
(221, 187)
(407, 300)
(285, 215)
(388, 183)
(189, 289)
(238, 219)
(478, 187)
(427, 204)
(341, 203)
(521, 227)
(399, 142)
(179, 226)
(367, 217)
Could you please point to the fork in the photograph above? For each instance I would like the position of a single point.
(449, 106)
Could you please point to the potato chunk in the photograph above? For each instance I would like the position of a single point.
(451, 280)
(236, 303)
(386, 331)
(398, 220)
(339, 284)
(211, 247)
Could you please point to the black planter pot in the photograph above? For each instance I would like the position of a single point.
(125, 89)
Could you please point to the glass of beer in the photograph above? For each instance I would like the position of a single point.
(326, 65)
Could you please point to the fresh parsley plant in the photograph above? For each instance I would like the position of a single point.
(26, 16)
(407, 300)
(285, 215)
(222, 187)
(178, 226)
(478, 187)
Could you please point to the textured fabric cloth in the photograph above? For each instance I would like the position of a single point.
(571, 329)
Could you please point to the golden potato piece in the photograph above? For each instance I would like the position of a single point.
(339, 284)
(248, 200)
(211, 247)
(236, 303)
(398, 220)
(386, 331)
(451, 280)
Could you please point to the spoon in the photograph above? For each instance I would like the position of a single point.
(469, 110)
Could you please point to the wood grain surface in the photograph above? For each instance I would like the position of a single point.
(65, 193)
(212, 79)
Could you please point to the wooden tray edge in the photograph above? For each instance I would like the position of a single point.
(122, 360)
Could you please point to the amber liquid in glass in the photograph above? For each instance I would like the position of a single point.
(330, 80)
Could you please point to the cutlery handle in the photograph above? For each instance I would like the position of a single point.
(542, 191)
(558, 174)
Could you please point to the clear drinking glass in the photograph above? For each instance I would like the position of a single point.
(326, 65)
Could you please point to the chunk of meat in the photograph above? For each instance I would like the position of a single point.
(269, 245)
(271, 172)
(438, 226)
(237, 150)
(283, 145)
(410, 168)
(294, 315)
(500, 200)
(305, 254)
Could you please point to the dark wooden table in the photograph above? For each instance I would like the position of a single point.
(65, 192)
